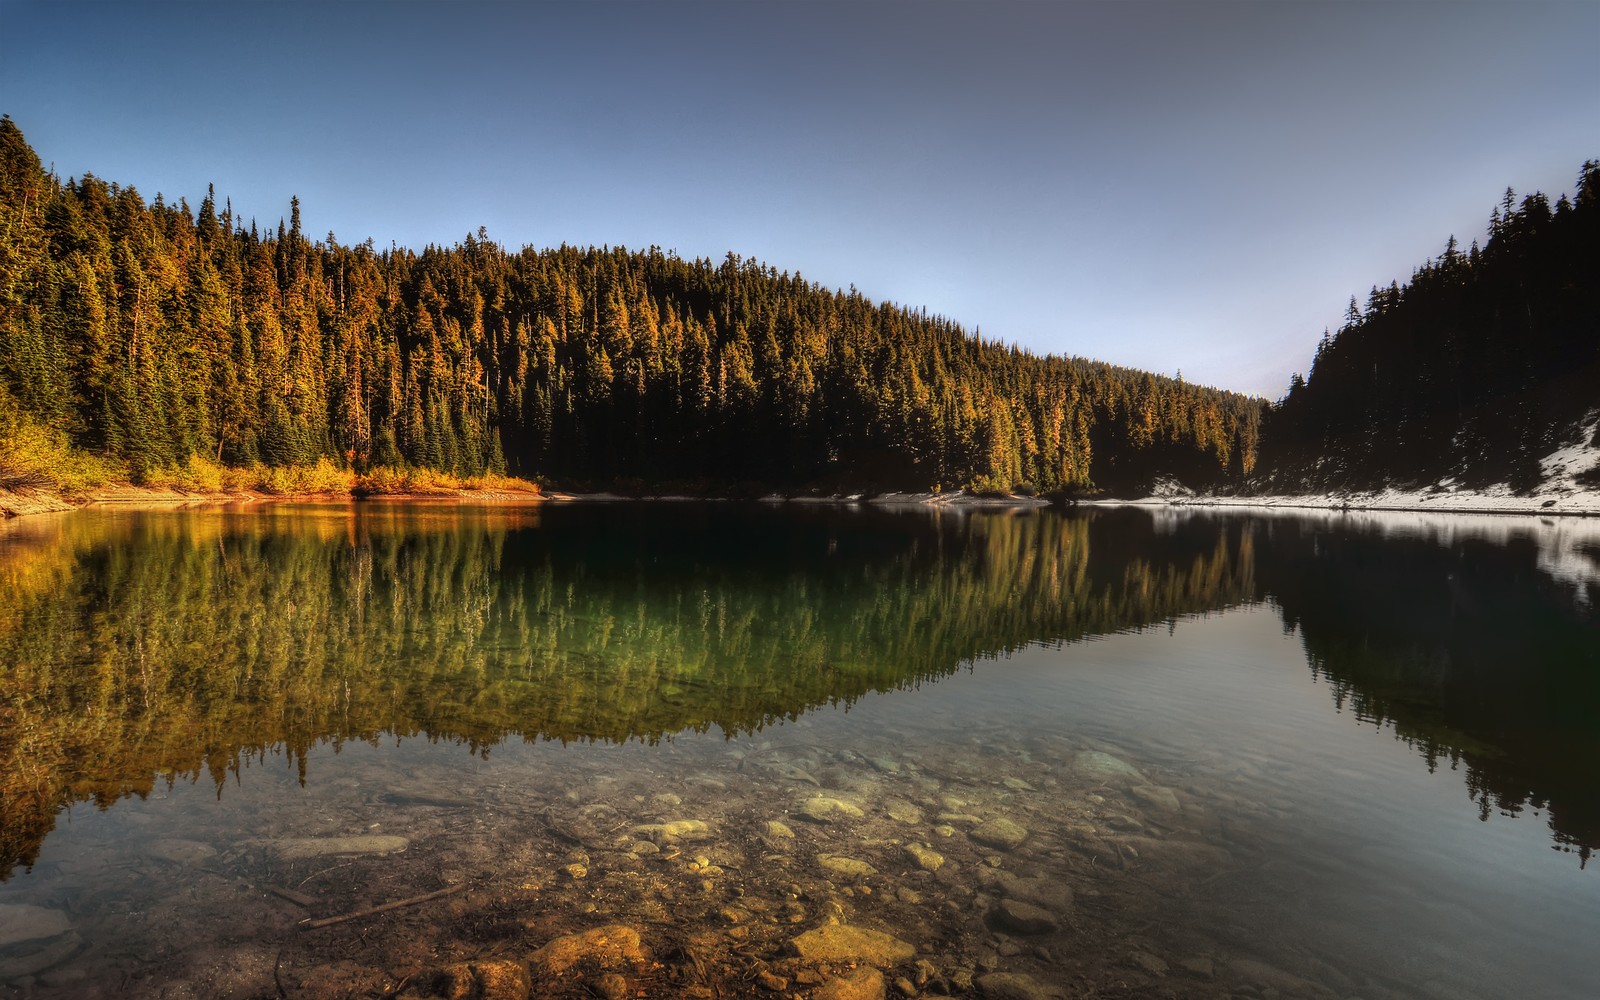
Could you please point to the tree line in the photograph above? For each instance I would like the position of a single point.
(1485, 361)
(147, 333)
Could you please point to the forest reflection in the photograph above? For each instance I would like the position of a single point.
(144, 648)
(1475, 640)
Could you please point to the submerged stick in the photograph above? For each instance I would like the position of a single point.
(311, 925)
(297, 898)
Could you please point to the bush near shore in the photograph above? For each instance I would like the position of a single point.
(37, 458)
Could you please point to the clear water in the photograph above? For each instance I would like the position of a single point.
(1367, 749)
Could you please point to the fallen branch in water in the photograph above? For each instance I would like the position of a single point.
(311, 925)
(297, 898)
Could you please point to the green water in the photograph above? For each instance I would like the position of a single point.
(1368, 749)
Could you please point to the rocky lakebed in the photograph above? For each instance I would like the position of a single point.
(1002, 867)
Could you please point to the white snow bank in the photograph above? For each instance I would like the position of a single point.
(1559, 491)
(1567, 547)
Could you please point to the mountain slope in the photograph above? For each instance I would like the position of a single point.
(147, 333)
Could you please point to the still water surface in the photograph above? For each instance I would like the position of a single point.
(1235, 755)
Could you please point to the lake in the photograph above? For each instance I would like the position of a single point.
(716, 750)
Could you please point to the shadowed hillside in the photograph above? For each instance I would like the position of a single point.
(1486, 361)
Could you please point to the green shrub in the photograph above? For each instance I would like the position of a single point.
(35, 456)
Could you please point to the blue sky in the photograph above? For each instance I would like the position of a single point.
(1195, 187)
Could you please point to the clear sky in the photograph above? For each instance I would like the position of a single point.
(1195, 187)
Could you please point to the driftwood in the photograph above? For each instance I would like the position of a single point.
(311, 925)
(297, 898)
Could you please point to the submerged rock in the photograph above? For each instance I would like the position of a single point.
(866, 983)
(611, 986)
(999, 833)
(33, 939)
(182, 852)
(925, 857)
(776, 837)
(501, 980)
(902, 811)
(795, 773)
(611, 947)
(681, 829)
(842, 943)
(38, 955)
(822, 809)
(300, 848)
(20, 922)
(1271, 977)
(1104, 767)
(1179, 852)
(841, 865)
(966, 819)
(1014, 986)
(1052, 894)
(770, 980)
(1157, 797)
(1153, 964)
(1024, 918)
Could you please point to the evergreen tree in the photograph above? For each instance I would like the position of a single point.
(150, 333)
(1474, 370)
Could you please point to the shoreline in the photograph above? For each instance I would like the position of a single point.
(19, 503)
(1386, 502)
(1278, 504)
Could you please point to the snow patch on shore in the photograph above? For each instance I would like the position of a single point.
(1560, 519)
(1569, 484)
(1567, 549)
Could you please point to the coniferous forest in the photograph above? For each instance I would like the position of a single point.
(144, 337)
(154, 334)
(1487, 360)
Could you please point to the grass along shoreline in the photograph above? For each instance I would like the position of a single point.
(200, 481)
(41, 471)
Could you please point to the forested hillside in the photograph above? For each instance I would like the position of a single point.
(147, 333)
(1488, 359)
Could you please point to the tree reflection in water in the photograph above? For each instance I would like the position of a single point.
(141, 648)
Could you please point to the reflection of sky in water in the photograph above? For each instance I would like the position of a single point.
(1370, 854)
